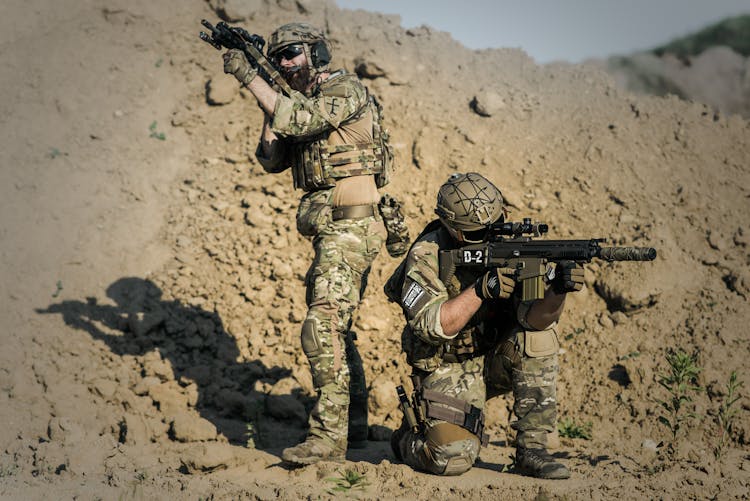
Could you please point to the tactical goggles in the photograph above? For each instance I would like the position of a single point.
(289, 52)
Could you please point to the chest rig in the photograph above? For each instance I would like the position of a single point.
(318, 164)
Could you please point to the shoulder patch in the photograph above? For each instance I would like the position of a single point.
(413, 295)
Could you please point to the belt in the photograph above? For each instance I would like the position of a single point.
(353, 212)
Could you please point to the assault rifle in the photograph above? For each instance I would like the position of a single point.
(510, 245)
(233, 37)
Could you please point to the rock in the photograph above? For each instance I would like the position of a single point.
(187, 427)
(379, 323)
(368, 69)
(233, 11)
(487, 103)
(207, 457)
(513, 200)
(105, 388)
(383, 397)
(281, 270)
(143, 386)
(169, 398)
(134, 430)
(618, 317)
(538, 204)
(650, 445)
(626, 292)
(605, 321)
(258, 219)
(221, 90)
(161, 369)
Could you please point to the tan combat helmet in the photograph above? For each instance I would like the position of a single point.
(311, 40)
(467, 205)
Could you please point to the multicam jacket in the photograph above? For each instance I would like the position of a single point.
(327, 136)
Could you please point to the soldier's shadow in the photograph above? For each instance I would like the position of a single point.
(241, 399)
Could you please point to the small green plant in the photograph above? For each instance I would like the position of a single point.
(727, 414)
(8, 470)
(159, 62)
(568, 429)
(348, 481)
(632, 354)
(157, 135)
(575, 332)
(58, 289)
(680, 382)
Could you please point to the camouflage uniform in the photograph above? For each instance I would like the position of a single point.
(493, 354)
(324, 139)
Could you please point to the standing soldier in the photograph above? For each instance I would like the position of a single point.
(329, 133)
(472, 337)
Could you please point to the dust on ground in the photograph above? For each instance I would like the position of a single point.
(152, 275)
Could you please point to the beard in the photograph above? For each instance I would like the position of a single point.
(298, 80)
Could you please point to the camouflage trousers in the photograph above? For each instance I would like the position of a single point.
(344, 251)
(448, 449)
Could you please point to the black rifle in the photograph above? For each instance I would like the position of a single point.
(233, 37)
(510, 245)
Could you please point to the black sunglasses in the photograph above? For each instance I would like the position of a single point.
(289, 52)
(476, 235)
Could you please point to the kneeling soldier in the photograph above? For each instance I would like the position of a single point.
(472, 337)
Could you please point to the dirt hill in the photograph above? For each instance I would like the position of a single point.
(710, 66)
(152, 276)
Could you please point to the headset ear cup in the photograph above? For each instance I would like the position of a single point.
(320, 54)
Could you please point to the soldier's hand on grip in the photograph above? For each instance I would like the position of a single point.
(235, 63)
(497, 283)
(568, 277)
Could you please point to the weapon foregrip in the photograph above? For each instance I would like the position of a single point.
(628, 253)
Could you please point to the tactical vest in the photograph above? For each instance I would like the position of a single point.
(317, 164)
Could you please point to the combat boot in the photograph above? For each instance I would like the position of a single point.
(311, 451)
(538, 463)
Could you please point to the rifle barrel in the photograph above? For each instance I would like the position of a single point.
(628, 253)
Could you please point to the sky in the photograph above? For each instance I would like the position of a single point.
(559, 30)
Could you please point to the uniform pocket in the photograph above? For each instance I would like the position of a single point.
(314, 212)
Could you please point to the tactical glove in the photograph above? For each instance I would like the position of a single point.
(235, 63)
(568, 277)
(497, 283)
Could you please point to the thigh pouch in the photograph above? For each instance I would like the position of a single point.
(452, 410)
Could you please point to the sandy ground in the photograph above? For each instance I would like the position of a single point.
(151, 277)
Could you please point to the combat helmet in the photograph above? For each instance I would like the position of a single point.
(312, 41)
(467, 204)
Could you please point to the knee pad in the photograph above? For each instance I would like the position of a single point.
(450, 448)
(321, 367)
(311, 344)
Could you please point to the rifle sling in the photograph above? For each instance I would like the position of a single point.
(285, 88)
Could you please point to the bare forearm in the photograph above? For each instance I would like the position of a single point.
(456, 313)
(265, 95)
(544, 312)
